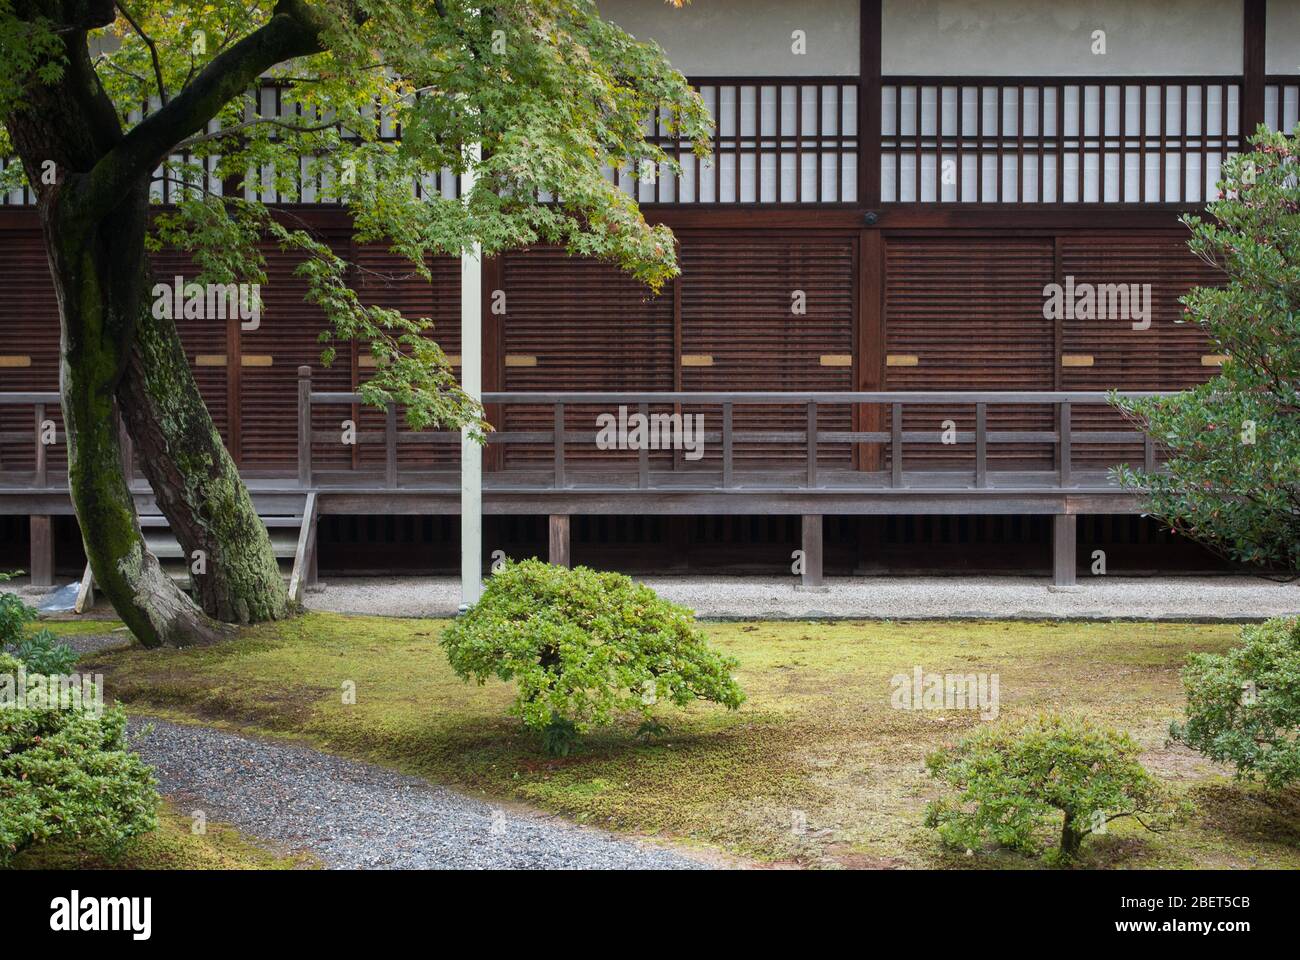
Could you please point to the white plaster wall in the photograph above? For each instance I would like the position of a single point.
(719, 38)
(1282, 37)
(1054, 37)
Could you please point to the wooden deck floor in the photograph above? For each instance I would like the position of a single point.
(621, 490)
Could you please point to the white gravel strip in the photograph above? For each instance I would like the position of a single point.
(884, 598)
(353, 815)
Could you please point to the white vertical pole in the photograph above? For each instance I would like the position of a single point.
(471, 371)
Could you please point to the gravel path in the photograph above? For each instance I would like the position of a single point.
(892, 598)
(354, 815)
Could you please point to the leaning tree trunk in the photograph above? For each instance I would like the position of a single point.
(117, 353)
(99, 282)
(195, 482)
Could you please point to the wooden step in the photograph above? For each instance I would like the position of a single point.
(292, 541)
(157, 522)
(163, 546)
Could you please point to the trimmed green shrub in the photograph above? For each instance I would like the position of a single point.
(40, 652)
(1231, 478)
(67, 774)
(1243, 707)
(583, 647)
(1014, 780)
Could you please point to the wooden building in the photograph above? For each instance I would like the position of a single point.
(860, 320)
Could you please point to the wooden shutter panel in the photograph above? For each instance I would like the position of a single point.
(29, 342)
(737, 300)
(388, 280)
(1166, 356)
(967, 314)
(571, 325)
(287, 338)
(206, 342)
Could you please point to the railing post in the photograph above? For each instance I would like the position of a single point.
(1148, 453)
(812, 443)
(304, 426)
(643, 455)
(728, 460)
(390, 445)
(896, 445)
(42, 467)
(981, 445)
(559, 446)
(1063, 443)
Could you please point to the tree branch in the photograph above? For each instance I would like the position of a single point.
(260, 121)
(294, 30)
(153, 51)
(108, 62)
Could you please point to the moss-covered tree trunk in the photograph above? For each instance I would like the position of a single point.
(100, 285)
(118, 358)
(195, 481)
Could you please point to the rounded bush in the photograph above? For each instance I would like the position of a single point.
(68, 774)
(583, 647)
(1243, 707)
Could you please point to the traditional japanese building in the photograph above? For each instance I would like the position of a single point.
(932, 233)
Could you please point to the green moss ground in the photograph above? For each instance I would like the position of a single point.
(173, 846)
(817, 735)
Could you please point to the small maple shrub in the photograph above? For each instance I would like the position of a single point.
(1012, 780)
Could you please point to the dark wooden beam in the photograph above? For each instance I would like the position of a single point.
(869, 104)
(1252, 67)
(844, 218)
(1048, 218)
(869, 344)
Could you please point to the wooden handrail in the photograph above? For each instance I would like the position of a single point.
(801, 397)
(28, 399)
(1062, 436)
